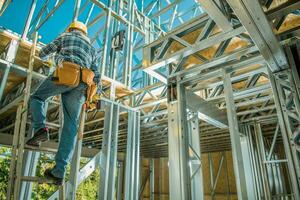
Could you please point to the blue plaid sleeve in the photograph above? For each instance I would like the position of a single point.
(53, 47)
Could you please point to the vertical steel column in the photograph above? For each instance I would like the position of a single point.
(4, 80)
(132, 156)
(286, 126)
(129, 168)
(249, 175)
(114, 58)
(239, 170)
(29, 18)
(262, 158)
(129, 45)
(158, 5)
(160, 179)
(106, 42)
(76, 10)
(211, 175)
(149, 37)
(137, 155)
(196, 168)
(109, 153)
(10, 57)
(227, 177)
(254, 167)
(75, 165)
(179, 177)
(120, 180)
(152, 179)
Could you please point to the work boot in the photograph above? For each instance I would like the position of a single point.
(56, 181)
(42, 135)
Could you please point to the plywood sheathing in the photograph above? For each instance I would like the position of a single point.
(207, 53)
(22, 59)
(161, 172)
(290, 22)
(276, 3)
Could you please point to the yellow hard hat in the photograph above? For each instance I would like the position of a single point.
(79, 26)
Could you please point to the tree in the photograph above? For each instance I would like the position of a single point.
(4, 170)
(86, 191)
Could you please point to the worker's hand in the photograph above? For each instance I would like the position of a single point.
(91, 106)
(95, 104)
(96, 98)
(48, 63)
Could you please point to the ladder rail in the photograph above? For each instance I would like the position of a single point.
(17, 184)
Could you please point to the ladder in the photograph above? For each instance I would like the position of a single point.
(16, 176)
(19, 133)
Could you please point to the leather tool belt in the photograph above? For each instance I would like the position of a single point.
(70, 74)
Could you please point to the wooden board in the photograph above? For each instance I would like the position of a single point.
(121, 89)
(161, 174)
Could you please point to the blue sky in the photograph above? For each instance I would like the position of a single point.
(15, 16)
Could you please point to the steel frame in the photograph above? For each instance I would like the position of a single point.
(161, 111)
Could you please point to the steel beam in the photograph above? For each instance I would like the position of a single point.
(207, 111)
(3, 5)
(216, 14)
(191, 50)
(251, 15)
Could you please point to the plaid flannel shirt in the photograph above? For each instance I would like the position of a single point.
(76, 48)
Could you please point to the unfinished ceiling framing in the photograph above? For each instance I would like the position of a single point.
(214, 76)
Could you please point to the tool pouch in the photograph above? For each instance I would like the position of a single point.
(68, 74)
(91, 91)
(71, 74)
(88, 78)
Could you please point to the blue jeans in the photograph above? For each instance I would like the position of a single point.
(72, 101)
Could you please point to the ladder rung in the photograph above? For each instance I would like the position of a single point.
(39, 149)
(52, 124)
(37, 179)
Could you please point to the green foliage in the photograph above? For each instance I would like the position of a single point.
(43, 191)
(4, 170)
(86, 191)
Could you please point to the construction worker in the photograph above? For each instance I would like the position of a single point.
(71, 51)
